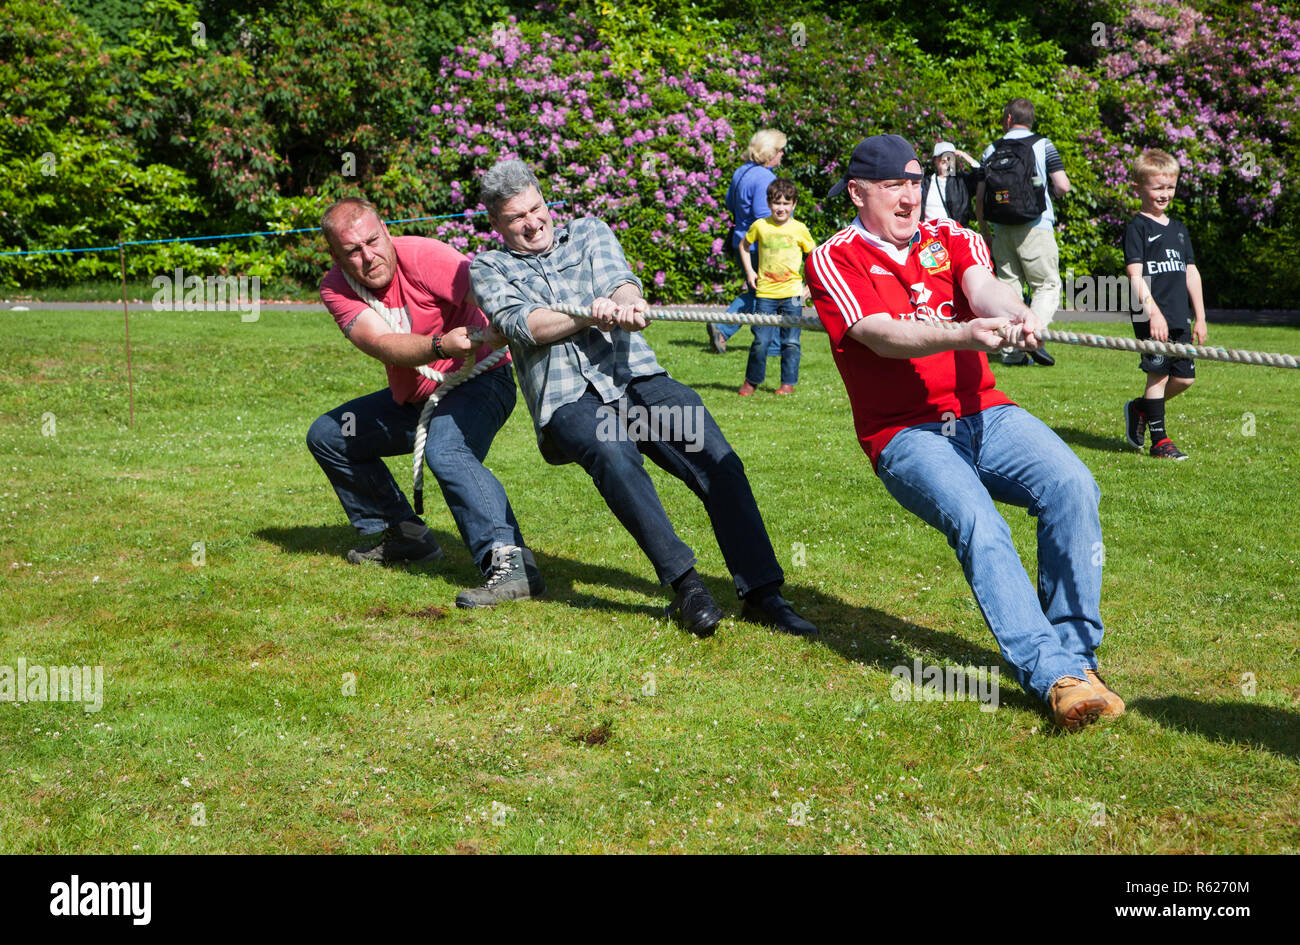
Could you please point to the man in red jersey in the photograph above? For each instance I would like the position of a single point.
(913, 310)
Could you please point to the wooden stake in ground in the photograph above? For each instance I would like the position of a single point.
(126, 315)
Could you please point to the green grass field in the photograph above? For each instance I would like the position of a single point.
(262, 695)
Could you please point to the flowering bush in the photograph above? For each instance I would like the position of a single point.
(1220, 93)
(650, 152)
(640, 126)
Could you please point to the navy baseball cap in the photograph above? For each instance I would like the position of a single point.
(880, 157)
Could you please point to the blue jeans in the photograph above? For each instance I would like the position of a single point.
(700, 457)
(350, 450)
(765, 336)
(1005, 453)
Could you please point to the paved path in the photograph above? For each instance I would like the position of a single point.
(1215, 316)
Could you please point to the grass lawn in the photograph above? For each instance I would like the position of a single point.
(262, 695)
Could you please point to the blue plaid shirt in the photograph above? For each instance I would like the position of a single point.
(585, 263)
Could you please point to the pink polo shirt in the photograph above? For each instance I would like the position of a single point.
(431, 282)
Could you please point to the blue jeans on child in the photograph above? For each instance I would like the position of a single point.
(350, 441)
(949, 474)
(766, 336)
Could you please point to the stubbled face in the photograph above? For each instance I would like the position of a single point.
(782, 209)
(890, 209)
(524, 222)
(1157, 193)
(364, 250)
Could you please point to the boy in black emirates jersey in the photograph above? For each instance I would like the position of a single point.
(1164, 280)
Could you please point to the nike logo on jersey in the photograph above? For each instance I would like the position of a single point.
(1152, 239)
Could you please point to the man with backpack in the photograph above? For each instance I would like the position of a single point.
(1022, 172)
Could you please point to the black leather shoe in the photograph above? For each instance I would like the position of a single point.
(695, 609)
(1042, 357)
(776, 612)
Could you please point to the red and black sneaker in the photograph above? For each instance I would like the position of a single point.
(1165, 449)
(1135, 424)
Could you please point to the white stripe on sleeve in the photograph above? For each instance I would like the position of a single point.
(833, 281)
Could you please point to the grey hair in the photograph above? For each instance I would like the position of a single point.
(504, 180)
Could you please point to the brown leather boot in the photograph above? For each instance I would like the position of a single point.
(1114, 704)
(1075, 703)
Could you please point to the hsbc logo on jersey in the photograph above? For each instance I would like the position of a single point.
(919, 295)
(934, 256)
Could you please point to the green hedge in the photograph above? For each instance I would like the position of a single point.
(635, 112)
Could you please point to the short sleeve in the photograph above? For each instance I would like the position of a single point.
(1134, 250)
(751, 236)
(339, 299)
(842, 291)
(761, 209)
(1052, 158)
(1191, 256)
(805, 240)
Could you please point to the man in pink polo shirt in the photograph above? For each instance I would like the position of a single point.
(406, 302)
(913, 309)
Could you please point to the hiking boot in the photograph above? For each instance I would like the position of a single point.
(1135, 425)
(408, 542)
(513, 575)
(1114, 704)
(716, 340)
(695, 609)
(746, 389)
(1165, 449)
(1075, 703)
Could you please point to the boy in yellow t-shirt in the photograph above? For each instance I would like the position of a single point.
(782, 243)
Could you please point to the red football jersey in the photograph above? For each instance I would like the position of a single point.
(851, 277)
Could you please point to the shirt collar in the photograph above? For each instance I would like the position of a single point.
(893, 252)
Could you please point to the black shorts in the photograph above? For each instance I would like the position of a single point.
(1160, 364)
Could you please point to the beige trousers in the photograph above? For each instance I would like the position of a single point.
(1028, 254)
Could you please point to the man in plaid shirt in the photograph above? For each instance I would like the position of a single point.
(591, 383)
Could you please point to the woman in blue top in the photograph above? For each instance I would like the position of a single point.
(747, 202)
